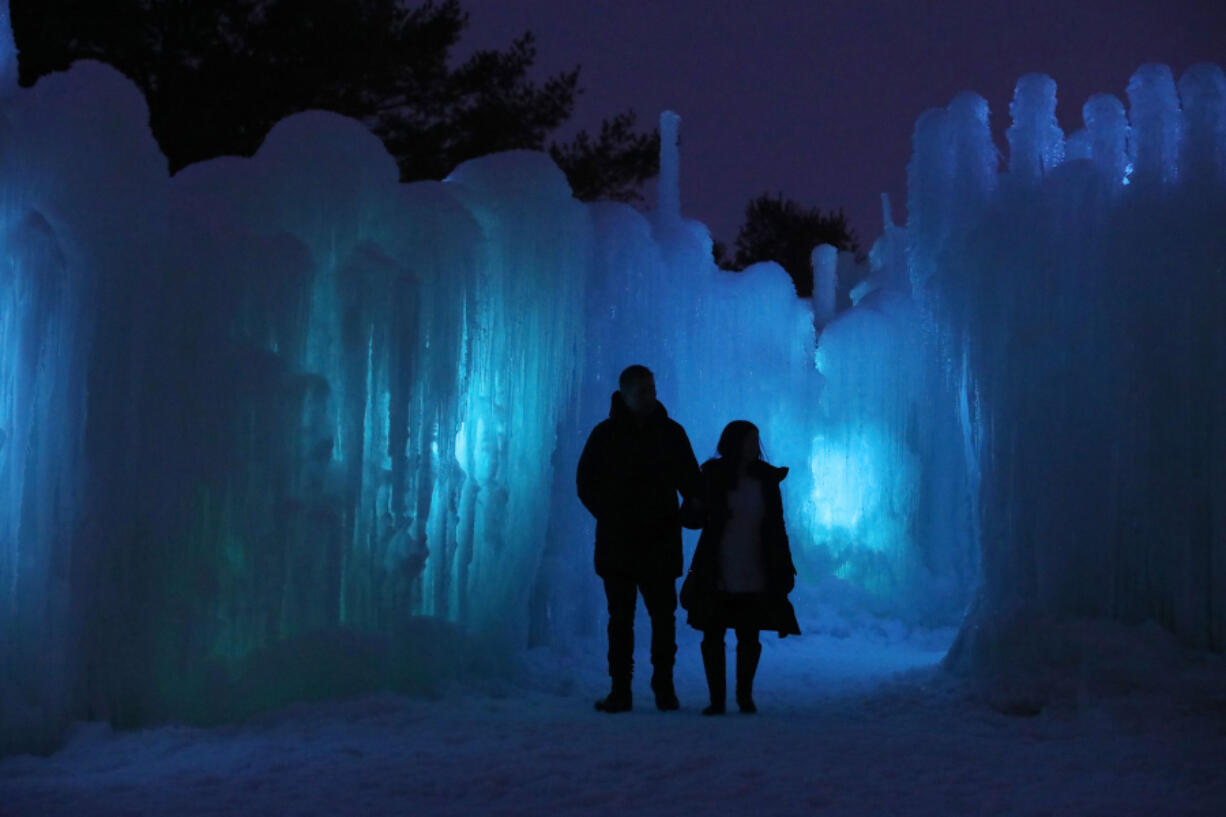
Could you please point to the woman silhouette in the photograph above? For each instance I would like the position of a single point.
(742, 569)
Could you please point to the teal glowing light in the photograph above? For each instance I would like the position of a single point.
(864, 495)
(842, 480)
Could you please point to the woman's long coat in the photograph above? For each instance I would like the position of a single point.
(700, 593)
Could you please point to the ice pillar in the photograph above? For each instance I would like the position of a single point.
(1107, 127)
(1157, 124)
(1202, 90)
(1036, 143)
(8, 53)
(669, 189)
(825, 261)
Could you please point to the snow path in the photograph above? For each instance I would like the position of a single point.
(840, 732)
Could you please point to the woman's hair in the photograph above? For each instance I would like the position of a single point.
(732, 440)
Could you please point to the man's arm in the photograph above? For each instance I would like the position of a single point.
(691, 477)
(587, 476)
(693, 506)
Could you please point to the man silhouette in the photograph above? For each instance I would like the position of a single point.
(631, 470)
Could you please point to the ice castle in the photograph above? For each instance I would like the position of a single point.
(279, 413)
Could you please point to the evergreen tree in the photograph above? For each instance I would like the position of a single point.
(781, 230)
(218, 74)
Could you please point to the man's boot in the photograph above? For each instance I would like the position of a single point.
(661, 606)
(621, 647)
(666, 694)
(662, 659)
(713, 662)
(747, 655)
(619, 698)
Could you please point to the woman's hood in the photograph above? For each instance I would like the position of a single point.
(765, 471)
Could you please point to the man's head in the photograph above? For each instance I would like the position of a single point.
(638, 389)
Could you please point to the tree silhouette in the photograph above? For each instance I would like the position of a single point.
(781, 230)
(612, 166)
(218, 74)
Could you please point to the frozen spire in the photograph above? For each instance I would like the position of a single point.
(1036, 143)
(887, 215)
(1107, 134)
(1202, 89)
(1157, 124)
(668, 194)
(825, 260)
(8, 52)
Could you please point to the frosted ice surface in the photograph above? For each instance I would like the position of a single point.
(1088, 379)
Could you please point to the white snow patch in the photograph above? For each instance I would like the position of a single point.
(866, 723)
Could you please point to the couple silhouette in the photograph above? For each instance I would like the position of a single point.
(632, 469)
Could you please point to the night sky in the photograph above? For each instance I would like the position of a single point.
(817, 100)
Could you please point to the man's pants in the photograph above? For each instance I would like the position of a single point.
(660, 598)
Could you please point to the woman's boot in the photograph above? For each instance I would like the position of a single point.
(717, 675)
(747, 655)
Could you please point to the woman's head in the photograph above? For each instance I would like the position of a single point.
(739, 442)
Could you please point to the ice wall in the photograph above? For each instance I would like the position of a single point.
(1078, 298)
(266, 405)
(88, 172)
(282, 427)
(893, 481)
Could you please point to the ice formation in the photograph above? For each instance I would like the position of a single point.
(286, 421)
(1078, 299)
(271, 415)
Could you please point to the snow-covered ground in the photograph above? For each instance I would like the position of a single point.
(853, 722)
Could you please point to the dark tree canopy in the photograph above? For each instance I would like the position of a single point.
(218, 74)
(781, 230)
(614, 164)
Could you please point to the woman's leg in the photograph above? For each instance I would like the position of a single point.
(716, 668)
(748, 651)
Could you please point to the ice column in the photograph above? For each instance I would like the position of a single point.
(825, 260)
(1202, 89)
(669, 186)
(1036, 143)
(1081, 316)
(1157, 124)
(8, 53)
(1107, 132)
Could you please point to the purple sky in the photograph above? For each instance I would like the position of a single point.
(817, 99)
